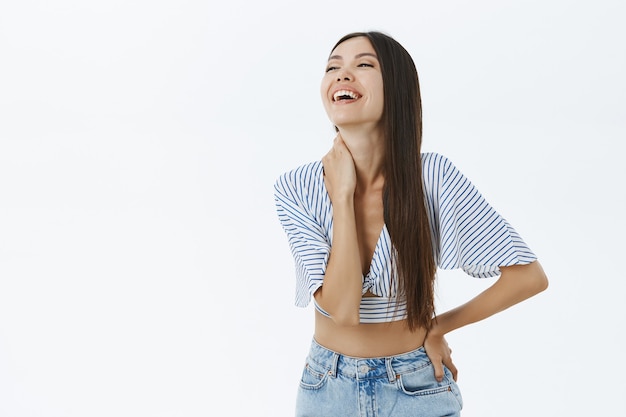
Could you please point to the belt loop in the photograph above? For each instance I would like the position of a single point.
(333, 369)
(391, 374)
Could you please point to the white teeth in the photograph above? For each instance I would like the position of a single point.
(347, 93)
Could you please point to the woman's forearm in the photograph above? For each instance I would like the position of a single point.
(516, 284)
(340, 295)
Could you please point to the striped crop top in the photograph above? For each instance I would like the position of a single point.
(466, 232)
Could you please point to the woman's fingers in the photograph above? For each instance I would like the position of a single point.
(339, 170)
(450, 365)
(438, 365)
(439, 354)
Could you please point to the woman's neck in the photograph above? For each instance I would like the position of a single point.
(368, 152)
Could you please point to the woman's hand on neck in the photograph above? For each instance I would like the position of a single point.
(367, 148)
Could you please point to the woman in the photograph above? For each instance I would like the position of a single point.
(368, 225)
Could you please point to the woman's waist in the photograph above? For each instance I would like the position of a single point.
(368, 340)
(337, 363)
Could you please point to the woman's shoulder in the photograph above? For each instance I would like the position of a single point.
(435, 165)
(304, 172)
(301, 177)
(430, 159)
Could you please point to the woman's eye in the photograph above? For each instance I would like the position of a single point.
(365, 65)
(329, 69)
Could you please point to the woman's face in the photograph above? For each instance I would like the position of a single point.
(352, 88)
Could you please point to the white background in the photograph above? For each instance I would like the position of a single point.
(143, 271)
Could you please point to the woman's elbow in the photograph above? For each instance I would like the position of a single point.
(530, 279)
(536, 278)
(540, 279)
(342, 312)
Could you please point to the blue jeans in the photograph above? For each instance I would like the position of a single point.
(335, 385)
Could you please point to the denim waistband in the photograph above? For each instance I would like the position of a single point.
(389, 367)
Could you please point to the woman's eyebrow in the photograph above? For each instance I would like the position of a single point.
(361, 55)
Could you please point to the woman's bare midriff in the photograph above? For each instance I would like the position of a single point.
(368, 340)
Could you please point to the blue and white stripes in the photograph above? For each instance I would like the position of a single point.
(467, 232)
(304, 210)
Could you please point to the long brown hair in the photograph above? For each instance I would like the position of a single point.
(403, 196)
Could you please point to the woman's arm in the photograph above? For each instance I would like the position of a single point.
(340, 295)
(516, 284)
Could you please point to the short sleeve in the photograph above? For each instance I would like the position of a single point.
(473, 236)
(301, 210)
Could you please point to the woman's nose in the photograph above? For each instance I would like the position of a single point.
(344, 76)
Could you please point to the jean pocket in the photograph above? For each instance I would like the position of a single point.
(421, 382)
(313, 376)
